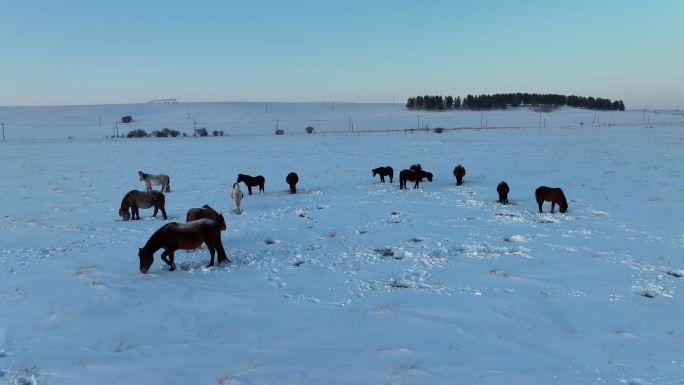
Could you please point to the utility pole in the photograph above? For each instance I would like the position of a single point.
(333, 105)
(540, 118)
(418, 127)
(267, 108)
(3, 132)
(277, 122)
(100, 117)
(116, 124)
(350, 124)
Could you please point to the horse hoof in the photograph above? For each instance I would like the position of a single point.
(173, 267)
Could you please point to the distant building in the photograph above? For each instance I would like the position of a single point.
(169, 100)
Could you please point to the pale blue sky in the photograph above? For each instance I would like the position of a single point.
(92, 52)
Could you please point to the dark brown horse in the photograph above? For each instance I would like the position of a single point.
(206, 212)
(251, 181)
(383, 172)
(502, 189)
(135, 200)
(182, 236)
(553, 195)
(413, 175)
(292, 179)
(459, 173)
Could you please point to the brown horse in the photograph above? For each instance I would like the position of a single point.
(459, 173)
(383, 172)
(186, 236)
(135, 200)
(292, 180)
(413, 175)
(206, 212)
(251, 181)
(502, 189)
(553, 195)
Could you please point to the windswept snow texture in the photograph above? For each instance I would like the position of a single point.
(351, 281)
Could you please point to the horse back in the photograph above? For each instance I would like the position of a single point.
(551, 194)
(189, 235)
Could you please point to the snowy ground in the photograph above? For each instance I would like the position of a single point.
(352, 281)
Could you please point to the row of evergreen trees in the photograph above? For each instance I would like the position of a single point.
(502, 101)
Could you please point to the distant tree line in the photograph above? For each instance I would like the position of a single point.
(163, 133)
(518, 99)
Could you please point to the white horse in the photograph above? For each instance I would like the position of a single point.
(155, 180)
(236, 194)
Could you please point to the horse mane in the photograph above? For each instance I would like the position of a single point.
(154, 238)
(211, 210)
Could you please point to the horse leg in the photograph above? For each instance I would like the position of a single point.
(212, 251)
(540, 205)
(261, 189)
(249, 189)
(163, 212)
(553, 205)
(165, 257)
(222, 257)
(173, 264)
(154, 214)
(135, 212)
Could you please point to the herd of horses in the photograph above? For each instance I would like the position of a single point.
(204, 224)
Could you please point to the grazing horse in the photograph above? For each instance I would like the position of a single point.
(135, 200)
(502, 189)
(205, 212)
(236, 195)
(459, 173)
(413, 175)
(154, 180)
(383, 172)
(186, 236)
(292, 179)
(553, 195)
(251, 181)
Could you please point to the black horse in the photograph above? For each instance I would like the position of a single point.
(553, 195)
(252, 181)
(383, 172)
(413, 175)
(459, 173)
(502, 189)
(292, 179)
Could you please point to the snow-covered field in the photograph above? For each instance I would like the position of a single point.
(350, 281)
(99, 121)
